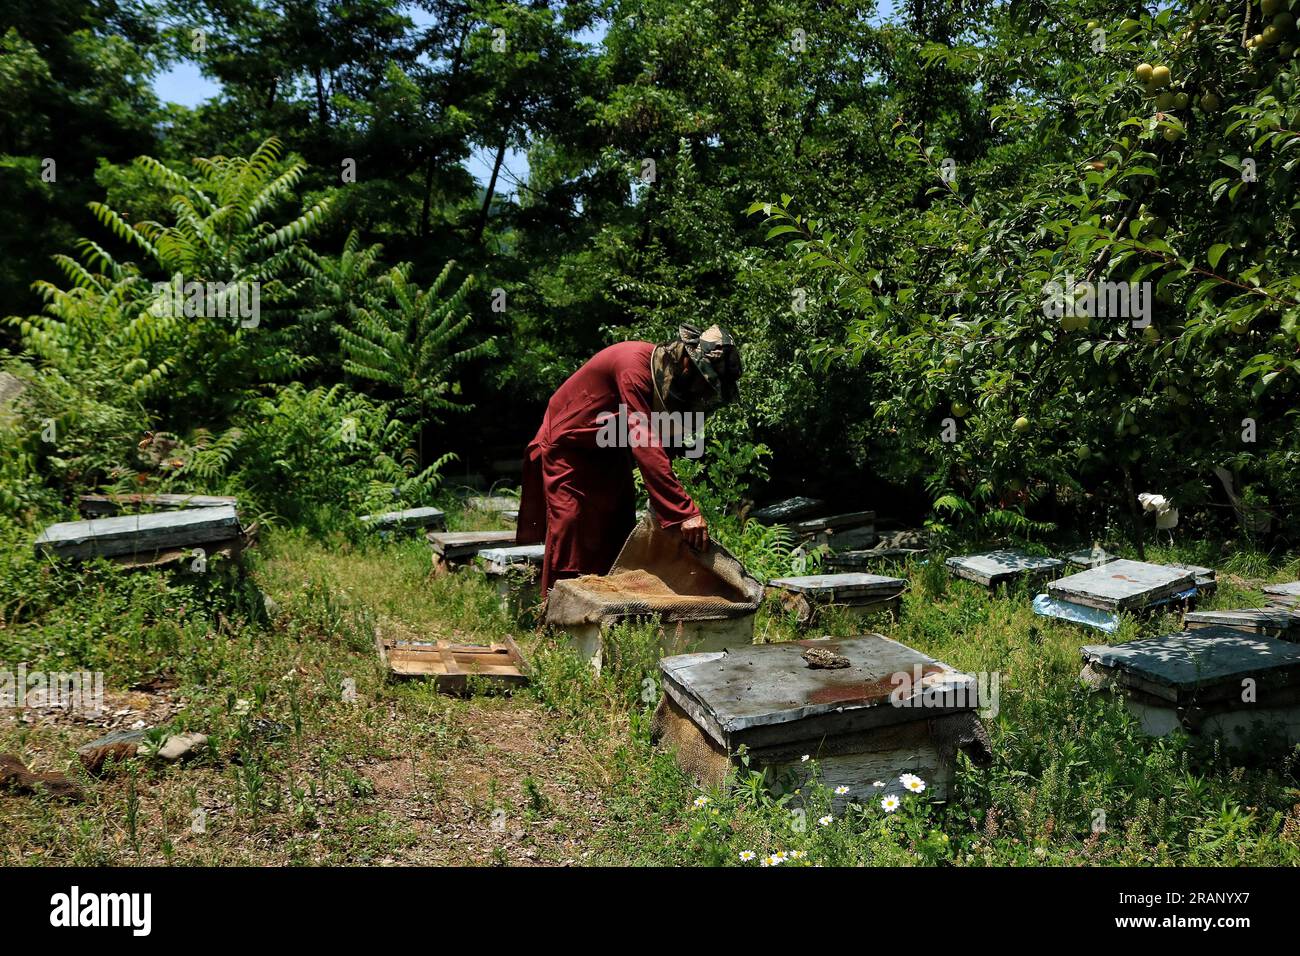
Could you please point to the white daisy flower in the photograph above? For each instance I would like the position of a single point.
(825, 821)
(916, 784)
(701, 802)
(879, 783)
(841, 791)
(890, 803)
(804, 758)
(747, 855)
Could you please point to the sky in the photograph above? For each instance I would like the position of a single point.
(186, 85)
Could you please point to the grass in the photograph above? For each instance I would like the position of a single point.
(565, 772)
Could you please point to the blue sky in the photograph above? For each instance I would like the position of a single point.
(186, 85)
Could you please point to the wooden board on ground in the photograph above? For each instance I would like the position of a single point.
(451, 665)
(891, 711)
(1122, 585)
(783, 512)
(1002, 566)
(1275, 622)
(461, 545)
(409, 518)
(94, 505)
(140, 534)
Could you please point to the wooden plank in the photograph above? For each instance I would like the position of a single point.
(1122, 585)
(450, 665)
(410, 518)
(783, 512)
(998, 567)
(138, 534)
(93, 505)
(454, 545)
(766, 693)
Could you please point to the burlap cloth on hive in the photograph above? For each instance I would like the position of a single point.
(658, 573)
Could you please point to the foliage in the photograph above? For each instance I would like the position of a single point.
(405, 344)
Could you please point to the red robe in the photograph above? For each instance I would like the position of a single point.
(578, 497)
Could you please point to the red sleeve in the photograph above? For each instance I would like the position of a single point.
(667, 496)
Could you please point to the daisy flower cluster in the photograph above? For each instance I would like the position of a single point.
(775, 859)
(910, 782)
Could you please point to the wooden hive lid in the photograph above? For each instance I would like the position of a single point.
(767, 694)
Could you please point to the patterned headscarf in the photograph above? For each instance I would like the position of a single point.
(713, 354)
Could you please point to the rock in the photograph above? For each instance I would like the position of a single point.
(16, 778)
(177, 746)
(821, 659)
(119, 745)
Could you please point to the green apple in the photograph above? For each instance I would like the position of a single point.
(1021, 425)
(1143, 72)
(1160, 76)
(1210, 103)
(960, 410)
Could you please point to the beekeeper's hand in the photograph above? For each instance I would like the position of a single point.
(696, 532)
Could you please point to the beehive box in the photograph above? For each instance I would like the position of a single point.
(1213, 681)
(104, 505)
(848, 531)
(864, 595)
(514, 573)
(1122, 585)
(492, 503)
(838, 561)
(783, 512)
(892, 711)
(1205, 579)
(1283, 595)
(1090, 557)
(409, 518)
(700, 600)
(1002, 566)
(1274, 622)
(141, 536)
(452, 549)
